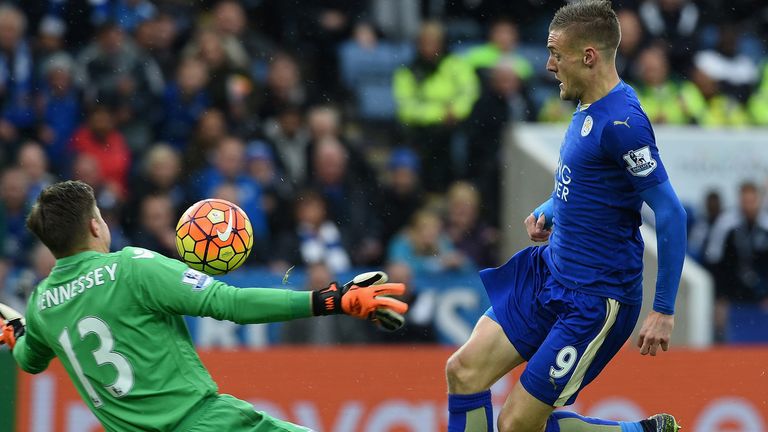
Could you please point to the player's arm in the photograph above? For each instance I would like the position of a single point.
(539, 222)
(671, 239)
(633, 146)
(671, 221)
(169, 286)
(29, 350)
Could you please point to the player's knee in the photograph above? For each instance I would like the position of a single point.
(462, 377)
(511, 421)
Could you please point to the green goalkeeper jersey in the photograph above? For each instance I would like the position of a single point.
(115, 322)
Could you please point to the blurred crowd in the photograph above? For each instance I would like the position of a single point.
(353, 133)
(732, 243)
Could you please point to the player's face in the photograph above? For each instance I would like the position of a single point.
(567, 65)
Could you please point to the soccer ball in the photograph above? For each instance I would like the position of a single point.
(214, 236)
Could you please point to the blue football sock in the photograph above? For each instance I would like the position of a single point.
(563, 421)
(470, 413)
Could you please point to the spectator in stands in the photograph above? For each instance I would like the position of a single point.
(502, 44)
(157, 225)
(707, 106)
(211, 128)
(85, 167)
(674, 23)
(631, 44)
(230, 86)
(14, 191)
(285, 86)
(737, 253)
(229, 19)
(433, 94)
(321, 28)
(502, 101)
(130, 13)
(184, 102)
(276, 191)
(331, 330)
(658, 94)
(556, 110)
(426, 248)
(474, 238)
(316, 239)
(58, 109)
(402, 196)
(702, 228)
(160, 174)
(367, 64)
(75, 19)
(99, 139)
(114, 71)
(758, 102)
(22, 280)
(48, 42)
(33, 161)
(324, 122)
(157, 37)
(290, 138)
(735, 72)
(351, 204)
(16, 78)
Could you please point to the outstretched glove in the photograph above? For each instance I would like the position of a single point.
(364, 297)
(11, 325)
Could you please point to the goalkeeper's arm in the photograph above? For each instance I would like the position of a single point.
(169, 286)
(31, 354)
(364, 297)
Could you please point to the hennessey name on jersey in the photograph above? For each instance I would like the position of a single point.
(63, 293)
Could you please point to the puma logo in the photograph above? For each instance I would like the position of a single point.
(618, 122)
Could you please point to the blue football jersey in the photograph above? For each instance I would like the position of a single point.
(607, 158)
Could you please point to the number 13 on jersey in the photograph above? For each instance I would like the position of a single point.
(103, 356)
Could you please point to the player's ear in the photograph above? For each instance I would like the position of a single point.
(590, 57)
(94, 227)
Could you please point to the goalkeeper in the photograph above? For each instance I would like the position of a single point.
(115, 322)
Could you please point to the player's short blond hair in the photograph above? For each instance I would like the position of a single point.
(589, 21)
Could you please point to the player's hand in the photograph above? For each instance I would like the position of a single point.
(365, 297)
(12, 325)
(536, 228)
(655, 332)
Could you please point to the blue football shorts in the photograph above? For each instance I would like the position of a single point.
(566, 336)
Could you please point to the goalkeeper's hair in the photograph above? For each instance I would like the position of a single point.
(591, 22)
(60, 216)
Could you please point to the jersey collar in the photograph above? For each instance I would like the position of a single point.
(72, 259)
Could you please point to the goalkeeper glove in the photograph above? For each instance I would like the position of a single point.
(11, 325)
(364, 297)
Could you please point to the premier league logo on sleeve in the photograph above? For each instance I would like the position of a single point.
(639, 162)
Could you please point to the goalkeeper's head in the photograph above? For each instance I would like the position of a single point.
(66, 219)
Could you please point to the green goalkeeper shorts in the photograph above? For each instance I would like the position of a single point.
(227, 413)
